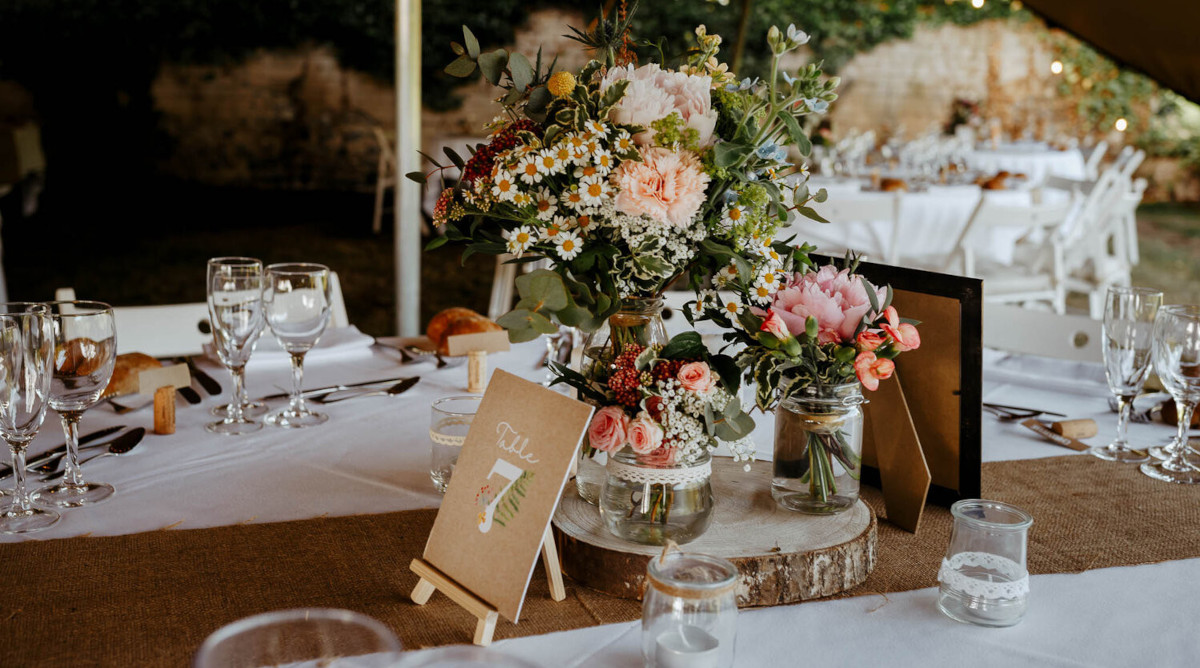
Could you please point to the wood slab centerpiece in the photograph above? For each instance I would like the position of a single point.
(783, 557)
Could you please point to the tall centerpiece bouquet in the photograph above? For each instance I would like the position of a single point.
(811, 342)
(623, 177)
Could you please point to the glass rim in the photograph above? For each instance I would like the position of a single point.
(705, 589)
(436, 404)
(1133, 290)
(305, 268)
(1181, 309)
(234, 261)
(1025, 520)
(233, 628)
(31, 308)
(95, 306)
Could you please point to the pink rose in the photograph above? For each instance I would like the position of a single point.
(837, 299)
(654, 94)
(775, 326)
(868, 341)
(645, 436)
(667, 186)
(696, 377)
(870, 370)
(662, 457)
(609, 429)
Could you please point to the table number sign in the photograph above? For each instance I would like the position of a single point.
(496, 513)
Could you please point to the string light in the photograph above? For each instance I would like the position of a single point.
(1056, 67)
(977, 4)
(1121, 124)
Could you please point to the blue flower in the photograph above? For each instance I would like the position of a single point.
(817, 106)
(731, 196)
(788, 78)
(796, 36)
(771, 151)
(746, 84)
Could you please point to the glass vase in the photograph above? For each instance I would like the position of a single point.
(646, 503)
(818, 449)
(639, 321)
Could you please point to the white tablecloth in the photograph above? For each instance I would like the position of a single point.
(372, 457)
(1034, 161)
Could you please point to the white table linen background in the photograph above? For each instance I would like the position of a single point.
(373, 457)
(1036, 161)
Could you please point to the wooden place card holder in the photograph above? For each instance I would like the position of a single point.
(495, 518)
(476, 347)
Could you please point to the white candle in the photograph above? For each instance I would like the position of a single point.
(686, 647)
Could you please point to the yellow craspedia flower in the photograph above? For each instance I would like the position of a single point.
(561, 84)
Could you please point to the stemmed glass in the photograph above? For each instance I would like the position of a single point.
(236, 311)
(296, 302)
(26, 365)
(1177, 362)
(1128, 325)
(85, 350)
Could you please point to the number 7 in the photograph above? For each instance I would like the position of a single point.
(506, 470)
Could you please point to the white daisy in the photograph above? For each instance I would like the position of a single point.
(528, 170)
(773, 258)
(568, 245)
(804, 170)
(623, 143)
(583, 221)
(769, 279)
(505, 187)
(732, 308)
(733, 215)
(522, 199)
(596, 128)
(572, 198)
(519, 239)
(562, 152)
(548, 162)
(551, 232)
(545, 201)
(594, 190)
(727, 275)
(603, 160)
(761, 294)
(584, 171)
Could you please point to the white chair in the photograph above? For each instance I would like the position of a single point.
(1091, 168)
(1042, 279)
(846, 214)
(1094, 244)
(175, 330)
(1029, 332)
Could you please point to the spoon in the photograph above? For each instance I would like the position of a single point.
(392, 391)
(119, 446)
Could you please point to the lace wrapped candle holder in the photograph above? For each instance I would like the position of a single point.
(449, 423)
(649, 504)
(983, 576)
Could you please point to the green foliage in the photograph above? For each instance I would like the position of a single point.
(510, 503)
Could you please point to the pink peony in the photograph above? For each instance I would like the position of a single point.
(773, 324)
(609, 429)
(667, 186)
(696, 377)
(654, 93)
(871, 369)
(837, 299)
(645, 436)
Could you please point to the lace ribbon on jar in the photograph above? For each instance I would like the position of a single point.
(950, 575)
(659, 476)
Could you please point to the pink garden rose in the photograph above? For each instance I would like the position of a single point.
(837, 299)
(696, 377)
(871, 369)
(645, 436)
(609, 429)
(774, 325)
(667, 186)
(662, 457)
(654, 93)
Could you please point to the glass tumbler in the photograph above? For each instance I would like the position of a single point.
(983, 576)
(689, 612)
(448, 426)
(308, 636)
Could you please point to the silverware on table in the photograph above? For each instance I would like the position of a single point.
(206, 381)
(57, 450)
(1013, 413)
(353, 393)
(118, 446)
(331, 388)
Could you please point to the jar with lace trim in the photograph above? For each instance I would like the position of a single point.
(983, 577)
(648, 503)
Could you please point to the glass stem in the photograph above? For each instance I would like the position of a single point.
(70, 423)
(239, 392)
(20, 495)
(1180, 447)
(297, 399)
(1124, 410)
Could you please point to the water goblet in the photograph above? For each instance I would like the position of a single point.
(85, 350)
(296, 302)
(26, 366)
(1128, 327)
(1176, 354)
(236, 311)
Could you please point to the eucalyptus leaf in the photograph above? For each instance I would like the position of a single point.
(522, 71)
(471, 42)
(871, 293)
(419, 177)
(492, 65)
(462, 66)
(809, 213)
(544, 286)
(727, 154)
(821, 196)
(542, 324)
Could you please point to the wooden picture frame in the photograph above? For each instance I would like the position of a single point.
(942, 380)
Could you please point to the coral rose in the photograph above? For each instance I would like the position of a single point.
(662, 457)
(871, 369)
(645, 436)
(868, 341)
(904, 336)
(774, 325)
(837, 299)
(696, 377)
(609, 429)
(667, 186)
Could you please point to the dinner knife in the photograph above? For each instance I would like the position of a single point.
(86, 438)
(331, 388)
(206, 381)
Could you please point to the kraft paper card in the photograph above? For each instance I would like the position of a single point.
(487, 342)
(510, 474)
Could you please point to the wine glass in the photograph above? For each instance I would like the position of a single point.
(1176, 353)
(85, 350)
(296, 302)
(1128, 327)
(26, 365)
(236, 311)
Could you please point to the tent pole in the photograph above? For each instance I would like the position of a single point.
(408, 141)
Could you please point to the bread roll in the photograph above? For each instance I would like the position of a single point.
(125, 373)
(892, 185)
(436, 331)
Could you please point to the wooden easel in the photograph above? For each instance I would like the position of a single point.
(433, 579)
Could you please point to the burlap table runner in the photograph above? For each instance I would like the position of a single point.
(150, 599)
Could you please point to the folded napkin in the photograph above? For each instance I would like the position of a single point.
(1084, 378)
(335, 342)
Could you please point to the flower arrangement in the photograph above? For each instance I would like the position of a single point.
(626, 176)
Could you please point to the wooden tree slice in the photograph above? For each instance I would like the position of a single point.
(783, 556)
